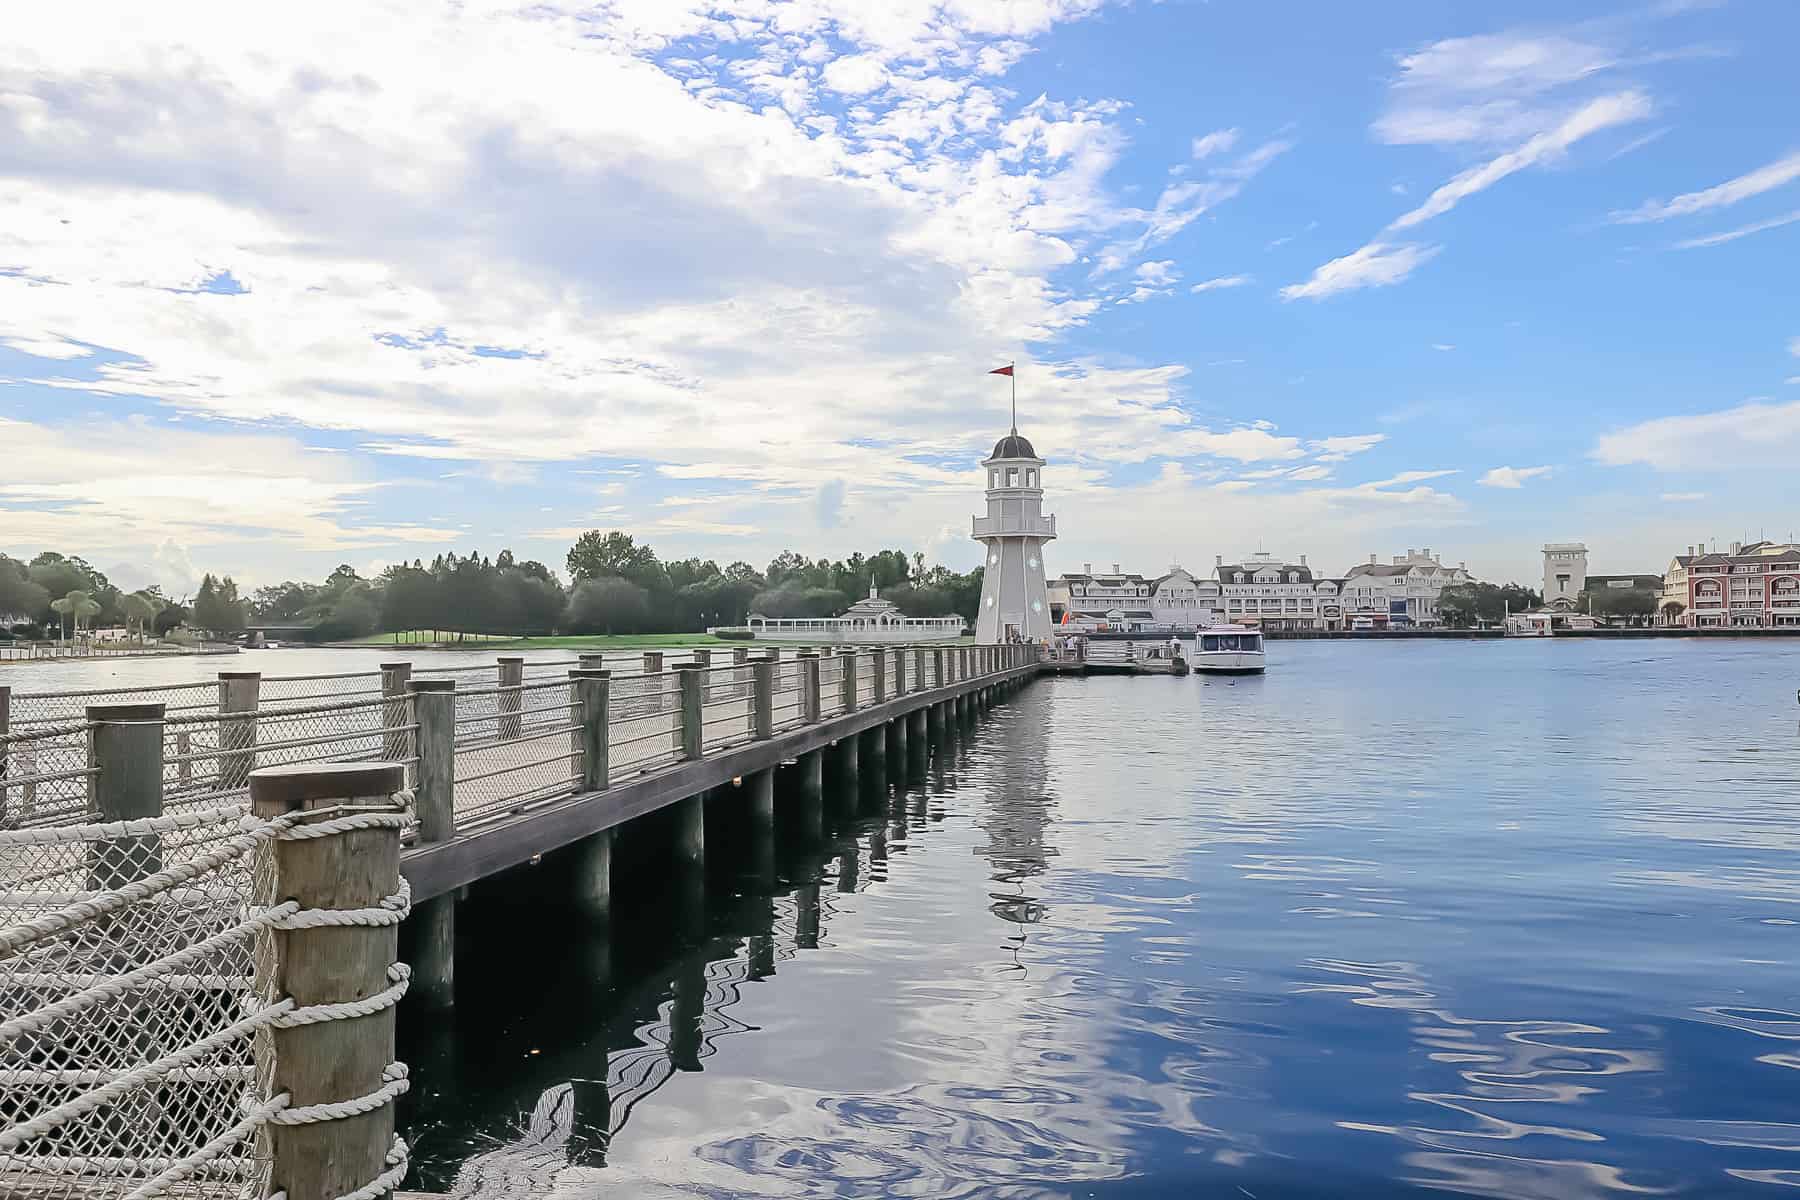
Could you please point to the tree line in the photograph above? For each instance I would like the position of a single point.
(1465, 605)
(615, 585)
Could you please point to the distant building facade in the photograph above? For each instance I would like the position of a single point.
(1755, 586)
(1401, 593)
(1565, 574)
(1127, 598)
(1264, 591)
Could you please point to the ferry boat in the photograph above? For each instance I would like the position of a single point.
(1228, 650)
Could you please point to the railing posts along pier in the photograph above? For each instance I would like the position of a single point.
(593, 856)
(511, 676)
(848, 673)
(879, 665)
(433, 922)
(762, 699)
(394, 678)
(692, 681)
(333, 1061)
(125, 750)
(759, 796)
(810, 699)
(238, 697)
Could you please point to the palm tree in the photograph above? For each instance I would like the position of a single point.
(62, 608)
(77, 604)
(140, 608)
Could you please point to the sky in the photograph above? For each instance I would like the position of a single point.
(361, 283)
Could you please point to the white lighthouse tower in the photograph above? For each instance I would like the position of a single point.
(1014, 604)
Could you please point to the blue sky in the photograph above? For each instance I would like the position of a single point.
(371, 282)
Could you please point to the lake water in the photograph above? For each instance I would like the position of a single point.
(1502, 919)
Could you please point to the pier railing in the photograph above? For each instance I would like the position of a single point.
(179, 1014)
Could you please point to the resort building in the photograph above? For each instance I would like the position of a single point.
(1565, 574)
(870, 621)
(1749, 587)
(1126, 599)
(1400, 593)
(1265, 592)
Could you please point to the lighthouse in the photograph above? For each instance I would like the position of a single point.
(1014, 604)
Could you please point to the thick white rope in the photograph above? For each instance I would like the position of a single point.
(400, 976)
(113, 989)
(281, 1014)
(394, 1084)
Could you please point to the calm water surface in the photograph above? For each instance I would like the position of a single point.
(1511, 919)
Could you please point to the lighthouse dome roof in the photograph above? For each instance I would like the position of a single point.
(1013, 446)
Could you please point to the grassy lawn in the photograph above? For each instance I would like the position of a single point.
(598, 641)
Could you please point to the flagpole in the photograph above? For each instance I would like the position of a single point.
(1013, 374)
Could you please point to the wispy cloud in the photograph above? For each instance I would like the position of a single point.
(1592, 117)
(1682, 497)
(1753, 183)
(1337, 449)
(1217, 142)
(1732, 235)
(1446, 346)
(1375, 265)
(1753, 434)
(1511, 477)
(1222, 281)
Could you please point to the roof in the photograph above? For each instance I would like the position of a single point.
(1225, 569)
(1643, 581)
(1013, 446)
(1383, 570)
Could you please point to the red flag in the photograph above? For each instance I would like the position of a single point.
(1006, 370)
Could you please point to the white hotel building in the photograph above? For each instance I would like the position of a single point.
(1402, 592)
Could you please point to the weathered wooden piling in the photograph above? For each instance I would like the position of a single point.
(125, 753)
(592, 865)
(394, 678)
(239, 692)
(510, 674)
(759, 806)
(432, 925)
(808, 800)
(332, 1061)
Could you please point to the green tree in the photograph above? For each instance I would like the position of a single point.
(597, 555)
(139, 609)
(20, 598)
(607, 605)
(217, 608)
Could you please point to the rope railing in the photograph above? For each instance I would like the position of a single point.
(139, 975)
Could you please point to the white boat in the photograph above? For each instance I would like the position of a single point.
(1228, 650)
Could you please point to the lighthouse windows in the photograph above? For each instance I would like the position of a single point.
(1030, 476)
(1012, 477)
(993, 477)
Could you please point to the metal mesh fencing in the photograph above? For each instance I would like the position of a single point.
(515, 746)
(126, 1021)
(727, 700)
(44, 776)
(788, 707)
(207, 758)
(30, 709)
(644, 731)
(831, 686)
(302, 689)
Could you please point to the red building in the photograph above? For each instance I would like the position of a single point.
(1751, 587)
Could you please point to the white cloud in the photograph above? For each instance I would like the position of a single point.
(1412, 477)
(1753, 183)
(1683, 497)
(1153, 279)
(1338, 449)
(856, 75)
(1511, 477)
(1182, 202)
(1309, 473)
(1444, 346)
(1592, 117)
(1794, 347)
(1377, 264)
(1222, 281)
(1492, 88)
(1732, 235)
(1217, 142)
(1754, 434)
(1381, 263)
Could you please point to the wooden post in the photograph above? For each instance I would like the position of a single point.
(238, 693)
(590, 662)
(937, 671)
(896, 743)
(740, 655)
(810, 699)
(125, 752)
(899, 673)
(848, 681)
(394, 677)
(760, 797)
(810, 806)
(762, 700)
(432, 926)
(690, 833)
(847, 762)
(692, 726)
(879, 665)
(510, 701)
(434, 707)
(330, 1061)
(593, 694)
